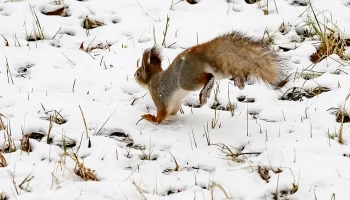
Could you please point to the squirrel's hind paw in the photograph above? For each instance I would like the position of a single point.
(150, 118)
(205, 92)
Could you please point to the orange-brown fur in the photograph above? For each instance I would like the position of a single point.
(230, 56)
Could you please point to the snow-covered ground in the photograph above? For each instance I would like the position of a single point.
(76, 74)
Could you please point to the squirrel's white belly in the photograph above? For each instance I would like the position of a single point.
(176, 101)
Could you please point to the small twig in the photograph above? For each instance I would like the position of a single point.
(56, 33)
(166, 29)
(69, 60)
(73, 85)
(194, 139)
(137, 98)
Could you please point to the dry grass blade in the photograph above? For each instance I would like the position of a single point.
(176, 164)
(2, 125)
(166, 29)
(48, 141)
(342, 117)
(86, 129)
(9, 143)
(3, 162)
(8, 71)
(37, 24)
(26, 180)
(12, 177)
(6, 42)
(99, 130)
(139, 189)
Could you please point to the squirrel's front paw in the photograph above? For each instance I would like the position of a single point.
(150, 118)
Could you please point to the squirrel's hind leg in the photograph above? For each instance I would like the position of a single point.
(205, 92)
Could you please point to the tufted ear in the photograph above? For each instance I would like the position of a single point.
(151, 57)
(151, 63)
(155, 57)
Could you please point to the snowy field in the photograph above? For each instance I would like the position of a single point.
(69, 104)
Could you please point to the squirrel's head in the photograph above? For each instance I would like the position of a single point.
(151, 65)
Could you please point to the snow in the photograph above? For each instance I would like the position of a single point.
(184, 157)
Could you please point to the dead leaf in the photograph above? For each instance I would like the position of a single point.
(192, 1)
(57, 12)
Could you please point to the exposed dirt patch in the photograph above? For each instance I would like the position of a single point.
(125, 138)
(244, 99)
(36, 136)
(299, 3)
(22, 71)
(297, 93)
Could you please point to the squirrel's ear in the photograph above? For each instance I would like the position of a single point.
(155, 56)
(151, 56)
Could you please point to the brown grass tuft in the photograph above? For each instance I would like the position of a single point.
(342, 116)
(81, 170)
(25, 145)
(264, 173)
(327, 32)
(330, 44)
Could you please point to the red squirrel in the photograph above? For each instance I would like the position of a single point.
(232, 56)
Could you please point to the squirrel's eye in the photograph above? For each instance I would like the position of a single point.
(137, 74)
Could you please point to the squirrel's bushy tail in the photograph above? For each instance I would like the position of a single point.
(244, 58)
